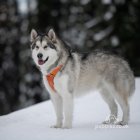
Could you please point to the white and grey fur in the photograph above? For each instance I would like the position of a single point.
(80, 74)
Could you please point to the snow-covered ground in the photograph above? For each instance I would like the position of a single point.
(34, 123)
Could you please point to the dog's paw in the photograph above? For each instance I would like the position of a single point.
(121, 123)
(106, 122)
(56, 126)
(111, 120)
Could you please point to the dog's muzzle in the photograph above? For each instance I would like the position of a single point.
(41, 61)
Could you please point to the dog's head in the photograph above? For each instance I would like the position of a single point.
(45, 48)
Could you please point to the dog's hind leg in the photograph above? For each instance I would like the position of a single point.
(121, 93)
(109, 99)
(123, 102)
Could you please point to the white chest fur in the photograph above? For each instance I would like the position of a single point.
(60, 84)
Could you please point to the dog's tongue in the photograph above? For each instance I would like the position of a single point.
(40, 62)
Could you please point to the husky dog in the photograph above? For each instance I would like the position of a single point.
(67, 74)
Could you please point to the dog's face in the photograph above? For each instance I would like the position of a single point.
(45, 48)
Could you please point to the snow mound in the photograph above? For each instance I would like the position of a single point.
(34, 123)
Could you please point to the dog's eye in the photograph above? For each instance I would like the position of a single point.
(45, 47)
(51, 46)
(37, 47)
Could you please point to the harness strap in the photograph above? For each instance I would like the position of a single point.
(50, 77)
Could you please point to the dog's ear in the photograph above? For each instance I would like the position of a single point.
(52, 35)
(33, 35)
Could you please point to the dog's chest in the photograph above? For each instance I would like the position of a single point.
(60, 83)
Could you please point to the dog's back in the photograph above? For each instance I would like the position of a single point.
(99, 67)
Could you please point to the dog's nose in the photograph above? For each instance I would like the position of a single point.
(40, 55)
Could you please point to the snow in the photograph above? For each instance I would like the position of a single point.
(34, 123)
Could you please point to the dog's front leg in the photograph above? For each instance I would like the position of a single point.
(57, 103)
(68, 110)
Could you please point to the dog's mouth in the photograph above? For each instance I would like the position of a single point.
(41, 61)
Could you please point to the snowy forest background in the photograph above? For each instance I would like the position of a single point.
(112, 25)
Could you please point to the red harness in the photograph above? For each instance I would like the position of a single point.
(50, 77)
